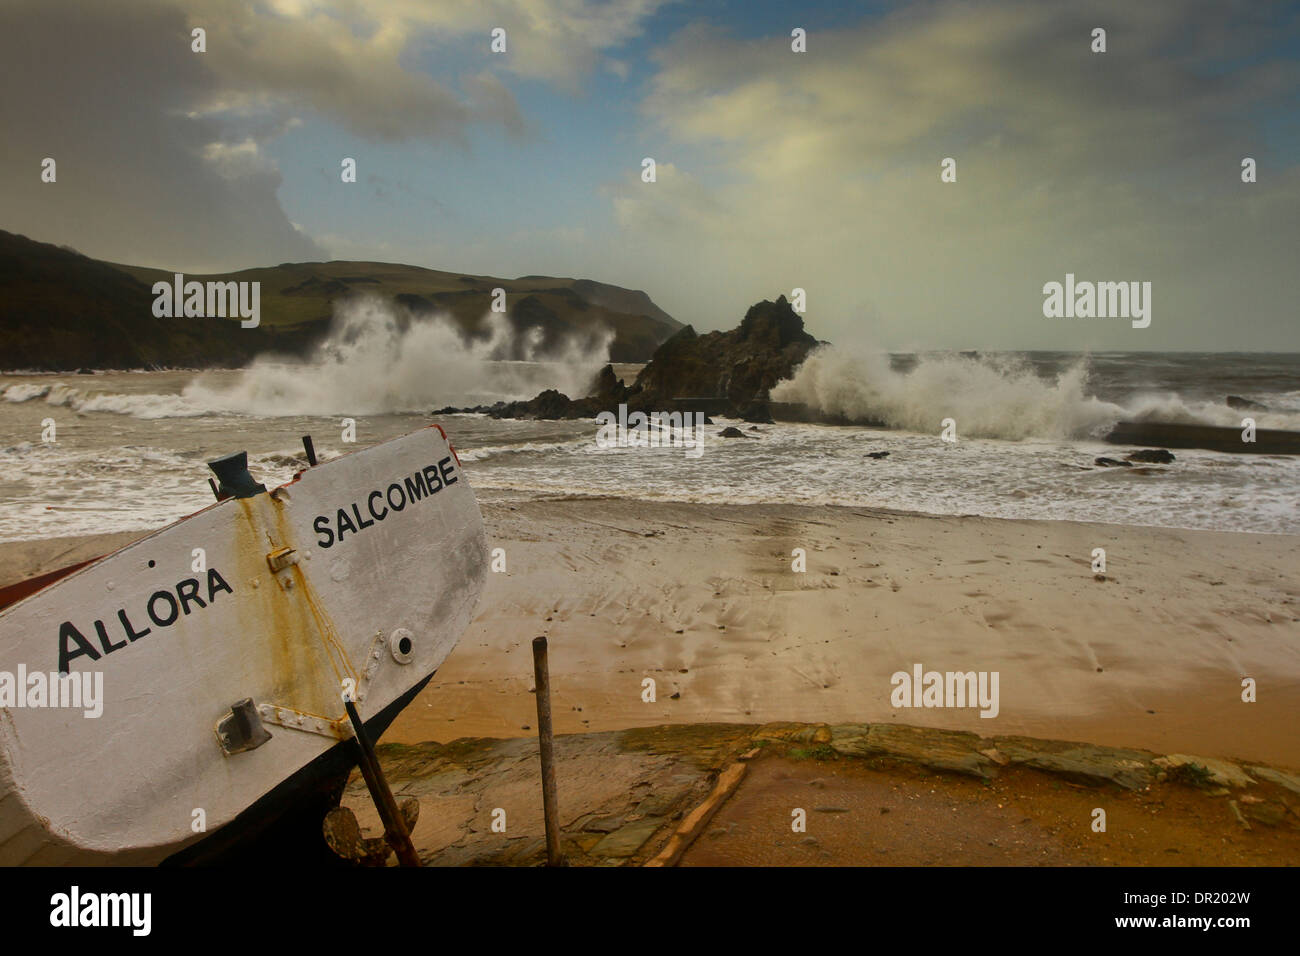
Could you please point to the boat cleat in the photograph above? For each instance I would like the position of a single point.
(241, 730)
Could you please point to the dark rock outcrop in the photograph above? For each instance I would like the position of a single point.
(609, 389)
(1210, 437)
(1155, 456)
(607, 393)
(1246, 404)
(548, 404)
(739, 366)
(758, 412)
(718, 373)
(1111, 463)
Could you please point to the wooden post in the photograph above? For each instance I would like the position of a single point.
(546, 743)
(394, 826)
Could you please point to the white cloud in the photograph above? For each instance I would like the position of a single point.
(354, 62)
(117, 95)
(236, 160)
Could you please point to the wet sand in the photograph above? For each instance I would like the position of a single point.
(26, 559)
(702, 599)
(857, 815)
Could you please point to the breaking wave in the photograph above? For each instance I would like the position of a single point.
(989, 396)
(24, 392)
(377, 359)
(146, 405)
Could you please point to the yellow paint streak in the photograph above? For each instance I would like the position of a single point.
(288, 628)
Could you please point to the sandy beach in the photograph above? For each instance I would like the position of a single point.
(703, 599)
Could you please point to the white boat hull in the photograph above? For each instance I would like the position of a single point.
(360, 575)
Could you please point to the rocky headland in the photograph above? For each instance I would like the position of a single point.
(717, 373)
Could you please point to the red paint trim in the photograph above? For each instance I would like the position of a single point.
(447, 440)
(16, 592)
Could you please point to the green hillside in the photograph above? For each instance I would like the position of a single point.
(60, 310)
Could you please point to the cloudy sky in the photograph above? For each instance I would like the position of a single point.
(776, 169)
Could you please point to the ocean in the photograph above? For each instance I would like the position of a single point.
(130, 447)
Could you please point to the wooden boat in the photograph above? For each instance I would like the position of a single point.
(226, 642)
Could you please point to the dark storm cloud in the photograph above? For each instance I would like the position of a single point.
(109, 92)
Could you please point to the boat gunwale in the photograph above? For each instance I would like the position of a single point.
(51, 579)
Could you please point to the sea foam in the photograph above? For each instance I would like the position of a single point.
(378, 360)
